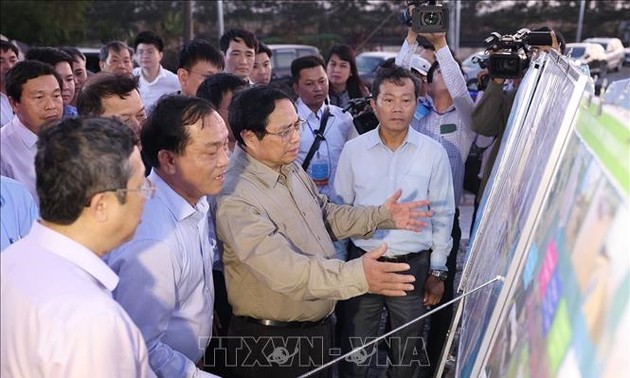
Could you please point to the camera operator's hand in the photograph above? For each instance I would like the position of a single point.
(411, 35)
(438, 40)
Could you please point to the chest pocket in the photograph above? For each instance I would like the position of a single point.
(448, 128)
(415, 186)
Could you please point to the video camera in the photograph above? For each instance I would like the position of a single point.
(511, 54)
(482, 62)
(428, 16)
(363, 117)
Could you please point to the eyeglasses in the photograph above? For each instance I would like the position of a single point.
(147, 190)
(287, 133)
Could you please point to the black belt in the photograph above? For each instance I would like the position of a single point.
(279, 324)
(402, 258)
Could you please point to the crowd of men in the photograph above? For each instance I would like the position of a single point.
(191, 223)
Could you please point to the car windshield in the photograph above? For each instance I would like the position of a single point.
(602, 44)
(367, 64)
(577, 52)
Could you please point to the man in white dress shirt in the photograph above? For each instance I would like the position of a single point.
(166, 269)
(34, 91)
(8, 58)
(58, 315)
(154, 80)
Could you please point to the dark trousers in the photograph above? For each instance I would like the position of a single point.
(215, 356)
(441, 320)
(361, 323)
(260, 351)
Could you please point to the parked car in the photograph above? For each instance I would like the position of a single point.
(92, 59)
(614, 51)
(626, 59)
(283, 55)
(369, 61)
(592, 54)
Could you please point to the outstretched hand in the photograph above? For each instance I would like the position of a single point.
(406, 215)
(383, 277)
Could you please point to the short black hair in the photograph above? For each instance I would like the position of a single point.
(167, 126)
(250, 110)
(75, 53)
(78, 158)
(216, 86)
(304, 62)
(116, 46)
(234, 34)
(262, 48)
(199, 50)
(149, 38)
(394, 74)
(50, 55)
(6, 46)
(24, 71)
(101, 86)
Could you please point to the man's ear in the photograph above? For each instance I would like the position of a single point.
(101, 64)
(182, 75)
(13, 103)
(167, 161)
(248, 137)
(98, 207)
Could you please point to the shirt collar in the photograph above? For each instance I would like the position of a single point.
(75, 253)
(373, 138)
(428, 101)
(177, 205)
(29, 137)
(259, 170)
(303, 109)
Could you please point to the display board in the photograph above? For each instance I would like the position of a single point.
(538, 130)
(567, 313)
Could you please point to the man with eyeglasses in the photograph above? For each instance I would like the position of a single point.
(166, 269)
(58, 315)
(282, 275)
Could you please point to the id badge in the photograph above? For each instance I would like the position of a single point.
(320, 171)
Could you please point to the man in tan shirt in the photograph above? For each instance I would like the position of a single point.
(281, 273)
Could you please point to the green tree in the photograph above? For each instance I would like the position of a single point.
(43, 23)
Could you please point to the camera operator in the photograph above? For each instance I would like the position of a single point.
(449, 123)
(491, 112)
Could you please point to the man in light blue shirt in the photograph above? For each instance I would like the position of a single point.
(18, 211)
(395, 156)
(310, 83)
(166, 269)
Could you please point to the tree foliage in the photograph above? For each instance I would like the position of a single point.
(366, 23)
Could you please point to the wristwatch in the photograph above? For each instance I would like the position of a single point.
(439, 274)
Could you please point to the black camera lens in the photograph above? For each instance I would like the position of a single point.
(431, 18)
